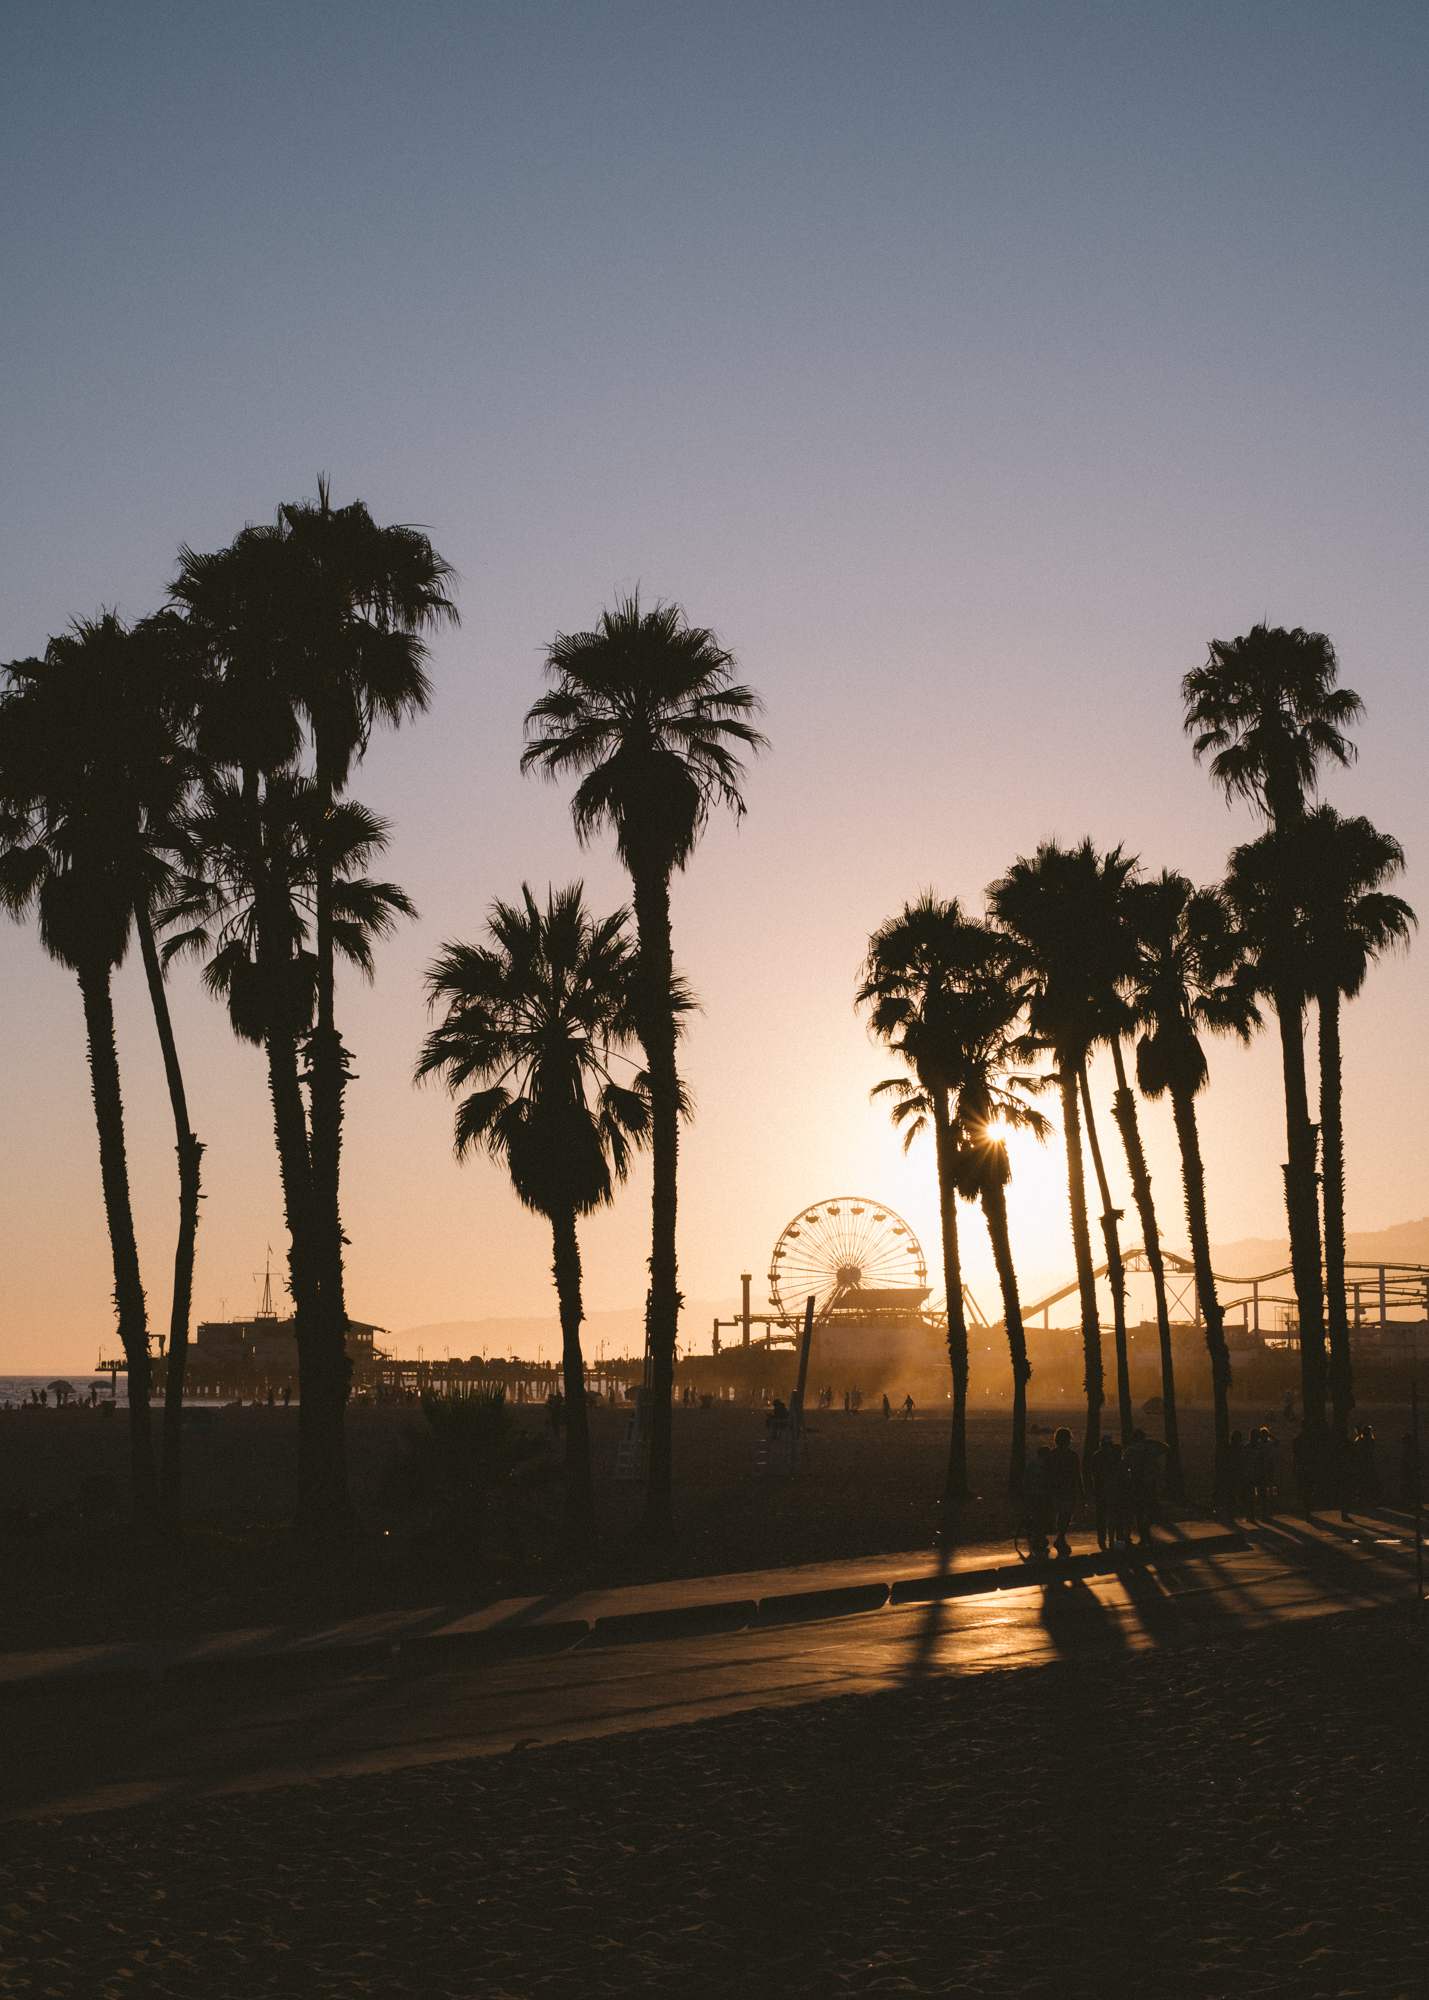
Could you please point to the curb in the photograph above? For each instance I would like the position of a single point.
(799, 1607)
(516, 1641)
(625, 1628)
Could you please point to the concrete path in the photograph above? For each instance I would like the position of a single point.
(521, 1625)
(73, 1753)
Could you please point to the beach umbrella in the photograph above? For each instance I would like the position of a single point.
(61, 1391)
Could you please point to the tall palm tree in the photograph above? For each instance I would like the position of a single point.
(1057, 905)
(1347, 919)
(246, 905)
(165, 683)
(1268, 710)
(944, 992)
(1119, 880)
(1186, 979)
(534, 1017)
(911, 977)
(990, 1104)
(319, 622)
(1261, 888)
(75, 847)
(644, 710)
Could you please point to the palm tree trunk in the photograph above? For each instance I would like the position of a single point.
(1332, 1140)
(1082, 1252)
(321, 1468)
(322, 1471)
(124, 1250)
(190, 1155)
(1129, 1125)
(1115, 1269)
(566, 1268)
(955, 1484)
(330, 1369)
(1193, 1177)
(994, 1207)
(1302, 1208)
(657, 1035)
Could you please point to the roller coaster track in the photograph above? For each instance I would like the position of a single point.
(1383, 1287)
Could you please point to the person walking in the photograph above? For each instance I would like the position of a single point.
(1104, 1475)
(1064, 1473)
(887, 1407)
(1263, 1472)
(1038, 1512)
(1142, 1459)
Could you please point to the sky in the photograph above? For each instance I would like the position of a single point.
(966, 367)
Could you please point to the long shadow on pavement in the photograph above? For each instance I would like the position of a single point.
(1077, 1621)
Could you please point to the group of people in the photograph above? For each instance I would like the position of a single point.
(64, 1398)
(1253, 1475)
(1124, 1483)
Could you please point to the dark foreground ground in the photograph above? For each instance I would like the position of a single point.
(1242, 1818)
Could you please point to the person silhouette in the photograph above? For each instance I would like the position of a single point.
(1064, 1473)
(1142, 1460)
(1104, 1473)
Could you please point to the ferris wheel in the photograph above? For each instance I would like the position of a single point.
(850, 1252)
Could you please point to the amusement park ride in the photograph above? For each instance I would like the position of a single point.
(865, 1270)
(860, 1263)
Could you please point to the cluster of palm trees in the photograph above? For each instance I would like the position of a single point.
(1079, 950)
(184, 781)
(644, 712)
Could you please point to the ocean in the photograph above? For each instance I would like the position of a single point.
(15, 1389)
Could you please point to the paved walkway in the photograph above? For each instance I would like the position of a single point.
(428, 1705)
(622, 1613)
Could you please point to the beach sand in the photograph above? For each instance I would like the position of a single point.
(1245, 1819)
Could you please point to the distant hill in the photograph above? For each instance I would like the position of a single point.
(620, 1332)
(1403, 1243)
(623, 1330)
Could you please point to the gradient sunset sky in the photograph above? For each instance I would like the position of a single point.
(967, 367)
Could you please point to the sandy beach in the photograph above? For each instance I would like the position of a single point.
(1171, 1823)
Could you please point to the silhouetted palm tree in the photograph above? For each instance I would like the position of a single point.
(1345, 919)
(911, 978)
(319, 620)
(944, 992)
(76, 758)
(165, 694)
(535, 1018)
(1057, 905)
(1267, 709)
(1187, 978)
(1261, 889)
(645, 712)
(990, 1100)
(1268, 712)
(246, 904)
(1119, 881)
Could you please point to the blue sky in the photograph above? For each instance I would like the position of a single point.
(967, 367)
